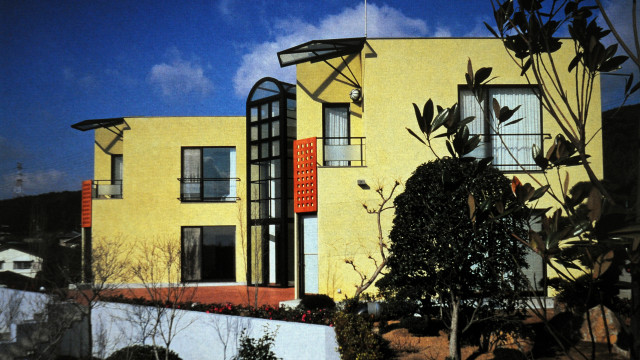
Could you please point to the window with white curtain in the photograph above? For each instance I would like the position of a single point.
(208, 174)
(336, 134)
(511, 149)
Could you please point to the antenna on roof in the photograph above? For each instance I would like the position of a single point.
(365, 18)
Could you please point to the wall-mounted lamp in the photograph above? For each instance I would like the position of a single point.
(363, 184)
(355, 95)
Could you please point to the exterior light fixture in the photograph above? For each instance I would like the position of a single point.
(363, 184)
(355, 95)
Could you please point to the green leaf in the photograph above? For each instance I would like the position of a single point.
(469, 73)
(472, 144)
(491, 30)
(575, 61)
(539, 192)
(612, 64)
(419, 118)
(416, 136)
(513, 122)
(526, 66)
(506, 113)
(628, 84)
(451, 151)
(482, 74)
(427, 114)
(439, 120)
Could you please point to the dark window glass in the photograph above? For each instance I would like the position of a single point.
(208, 253)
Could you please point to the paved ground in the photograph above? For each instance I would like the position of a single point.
(238, 294)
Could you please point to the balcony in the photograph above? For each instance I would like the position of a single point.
(106, 189)
(342, 151)
(208, 189)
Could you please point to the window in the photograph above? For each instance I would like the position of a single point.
(208, 174)
(22, 265)
(117, 167)
(514, 146)
(336, 133)
(208, 253)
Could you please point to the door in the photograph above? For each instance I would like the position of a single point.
(309, 242)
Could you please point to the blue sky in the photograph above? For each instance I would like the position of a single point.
(66, 61)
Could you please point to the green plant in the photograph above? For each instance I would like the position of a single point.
(446, 244)
(142, 352)
(356, 340)
(316, 302)
(256, 349)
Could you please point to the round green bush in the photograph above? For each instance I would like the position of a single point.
(316, 302)
(142, 352)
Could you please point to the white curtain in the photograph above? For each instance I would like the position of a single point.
(191, 173)
(528, 129)
(336, 125)
(518, 137)
(469, 106)
(191, 254)
(232, 173)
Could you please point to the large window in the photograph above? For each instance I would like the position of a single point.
(512, 149)
(336, 133)
(208, 253)
(208, 174)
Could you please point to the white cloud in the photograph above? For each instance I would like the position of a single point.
(179, 77)
(442, 32)
(261, 61)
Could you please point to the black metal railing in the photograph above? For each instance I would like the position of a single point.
(208, 189)
(106, 189)
(342, 151)
(525, 161)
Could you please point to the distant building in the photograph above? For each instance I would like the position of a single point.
(19, 260)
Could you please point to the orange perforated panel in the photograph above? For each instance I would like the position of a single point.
(305, 181)
(86, 203)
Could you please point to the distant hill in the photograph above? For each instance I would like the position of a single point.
(51, 213)
(620, 146)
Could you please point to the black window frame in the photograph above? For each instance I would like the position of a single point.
(325, 106)
(202, 198)
(184, 260)
(486, 135)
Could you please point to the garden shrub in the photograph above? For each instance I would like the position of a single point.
(142, 352)
(356, 340)
(316, 302)
(565, 326)
(256, 349)
(417, 325)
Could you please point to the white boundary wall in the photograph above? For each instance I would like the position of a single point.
(209, 336)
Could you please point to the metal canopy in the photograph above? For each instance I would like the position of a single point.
(99, 123)
(319, 50)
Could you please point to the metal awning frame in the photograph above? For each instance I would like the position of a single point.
(323, 50)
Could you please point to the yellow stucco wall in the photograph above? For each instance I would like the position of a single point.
(150, 208)
(395, 73)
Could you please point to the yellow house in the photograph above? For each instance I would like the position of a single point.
(292, 211)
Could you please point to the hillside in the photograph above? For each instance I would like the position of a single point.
(39, 215)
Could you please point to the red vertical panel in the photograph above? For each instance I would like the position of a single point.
(305, 181)
(86, 203)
